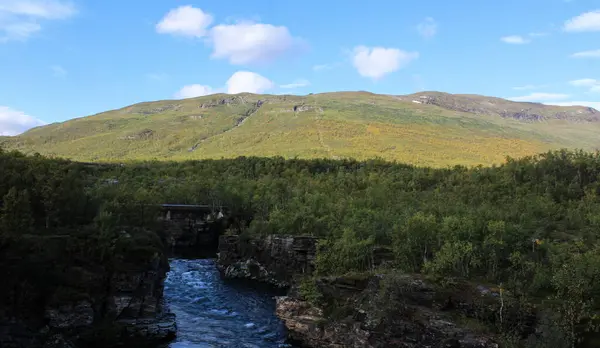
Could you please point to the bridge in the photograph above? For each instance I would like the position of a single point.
(188, 226)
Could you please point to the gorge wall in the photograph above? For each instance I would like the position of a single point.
(94, 306)
(369, 310)
(276, 260)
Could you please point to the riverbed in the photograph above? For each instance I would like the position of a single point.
(212, 312)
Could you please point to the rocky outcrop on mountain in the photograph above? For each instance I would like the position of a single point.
(523, 111)
(394, 311)
(304, 108)
(273, 259)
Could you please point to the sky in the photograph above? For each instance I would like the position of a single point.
(61, 59)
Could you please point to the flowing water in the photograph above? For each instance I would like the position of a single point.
(214, 313)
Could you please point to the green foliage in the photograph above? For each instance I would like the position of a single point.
(415, 240)
(310, 292)
(454, 258)
(15, 215)
(530, 225)
(345, 254)
(576, 286)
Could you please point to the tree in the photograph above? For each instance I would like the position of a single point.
(15, 216)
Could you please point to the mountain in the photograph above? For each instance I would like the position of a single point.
(426, 128)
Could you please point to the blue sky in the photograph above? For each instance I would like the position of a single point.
(62, 59)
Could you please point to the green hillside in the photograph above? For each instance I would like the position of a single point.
(427, 128)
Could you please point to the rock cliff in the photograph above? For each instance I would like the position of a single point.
(276, 260)
(92, 306)
(392, 311)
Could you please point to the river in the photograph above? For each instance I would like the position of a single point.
(215, 313)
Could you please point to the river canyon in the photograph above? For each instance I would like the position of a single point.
(212, 312)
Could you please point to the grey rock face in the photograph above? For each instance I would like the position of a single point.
(72, 315)
(365, 320)
(273, 259)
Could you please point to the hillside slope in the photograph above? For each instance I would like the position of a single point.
(427, 128)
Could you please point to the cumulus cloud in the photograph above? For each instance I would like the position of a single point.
(239, 82)
(193, 91)
(587, 54)
(515, 40)
(14, 122)
(584, 82)
(427, 28)
(539, 97)
(376, 62)
(244, 42)
(185, 21)
(20, 19)
(592, 84)
(247, 42)
(589, 21)
(296, 84)
(48, 9)
(250, 82)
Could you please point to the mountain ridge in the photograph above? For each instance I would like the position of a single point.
(426, 128)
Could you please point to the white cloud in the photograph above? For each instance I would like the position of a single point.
(589, 21)
(193, 91)
(376, 62)
(587, 54)
(20, 19)
(47, 9)
(246, 81)
(185, 21)
(590, 104)
(539, 97)
(592, 84)
(515, 40)
(14, 122)
(247, 42)
(58, 71)
(585, 82)
(239, 82)
(296, 84)
(427, 28)
(529, 87)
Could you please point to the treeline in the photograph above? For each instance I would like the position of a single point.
(530, 226)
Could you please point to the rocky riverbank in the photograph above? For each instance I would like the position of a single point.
(380, 311)
(368, 310)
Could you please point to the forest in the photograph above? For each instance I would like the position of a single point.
(530, 226)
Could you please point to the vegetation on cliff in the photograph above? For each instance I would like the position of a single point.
(529, 226)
